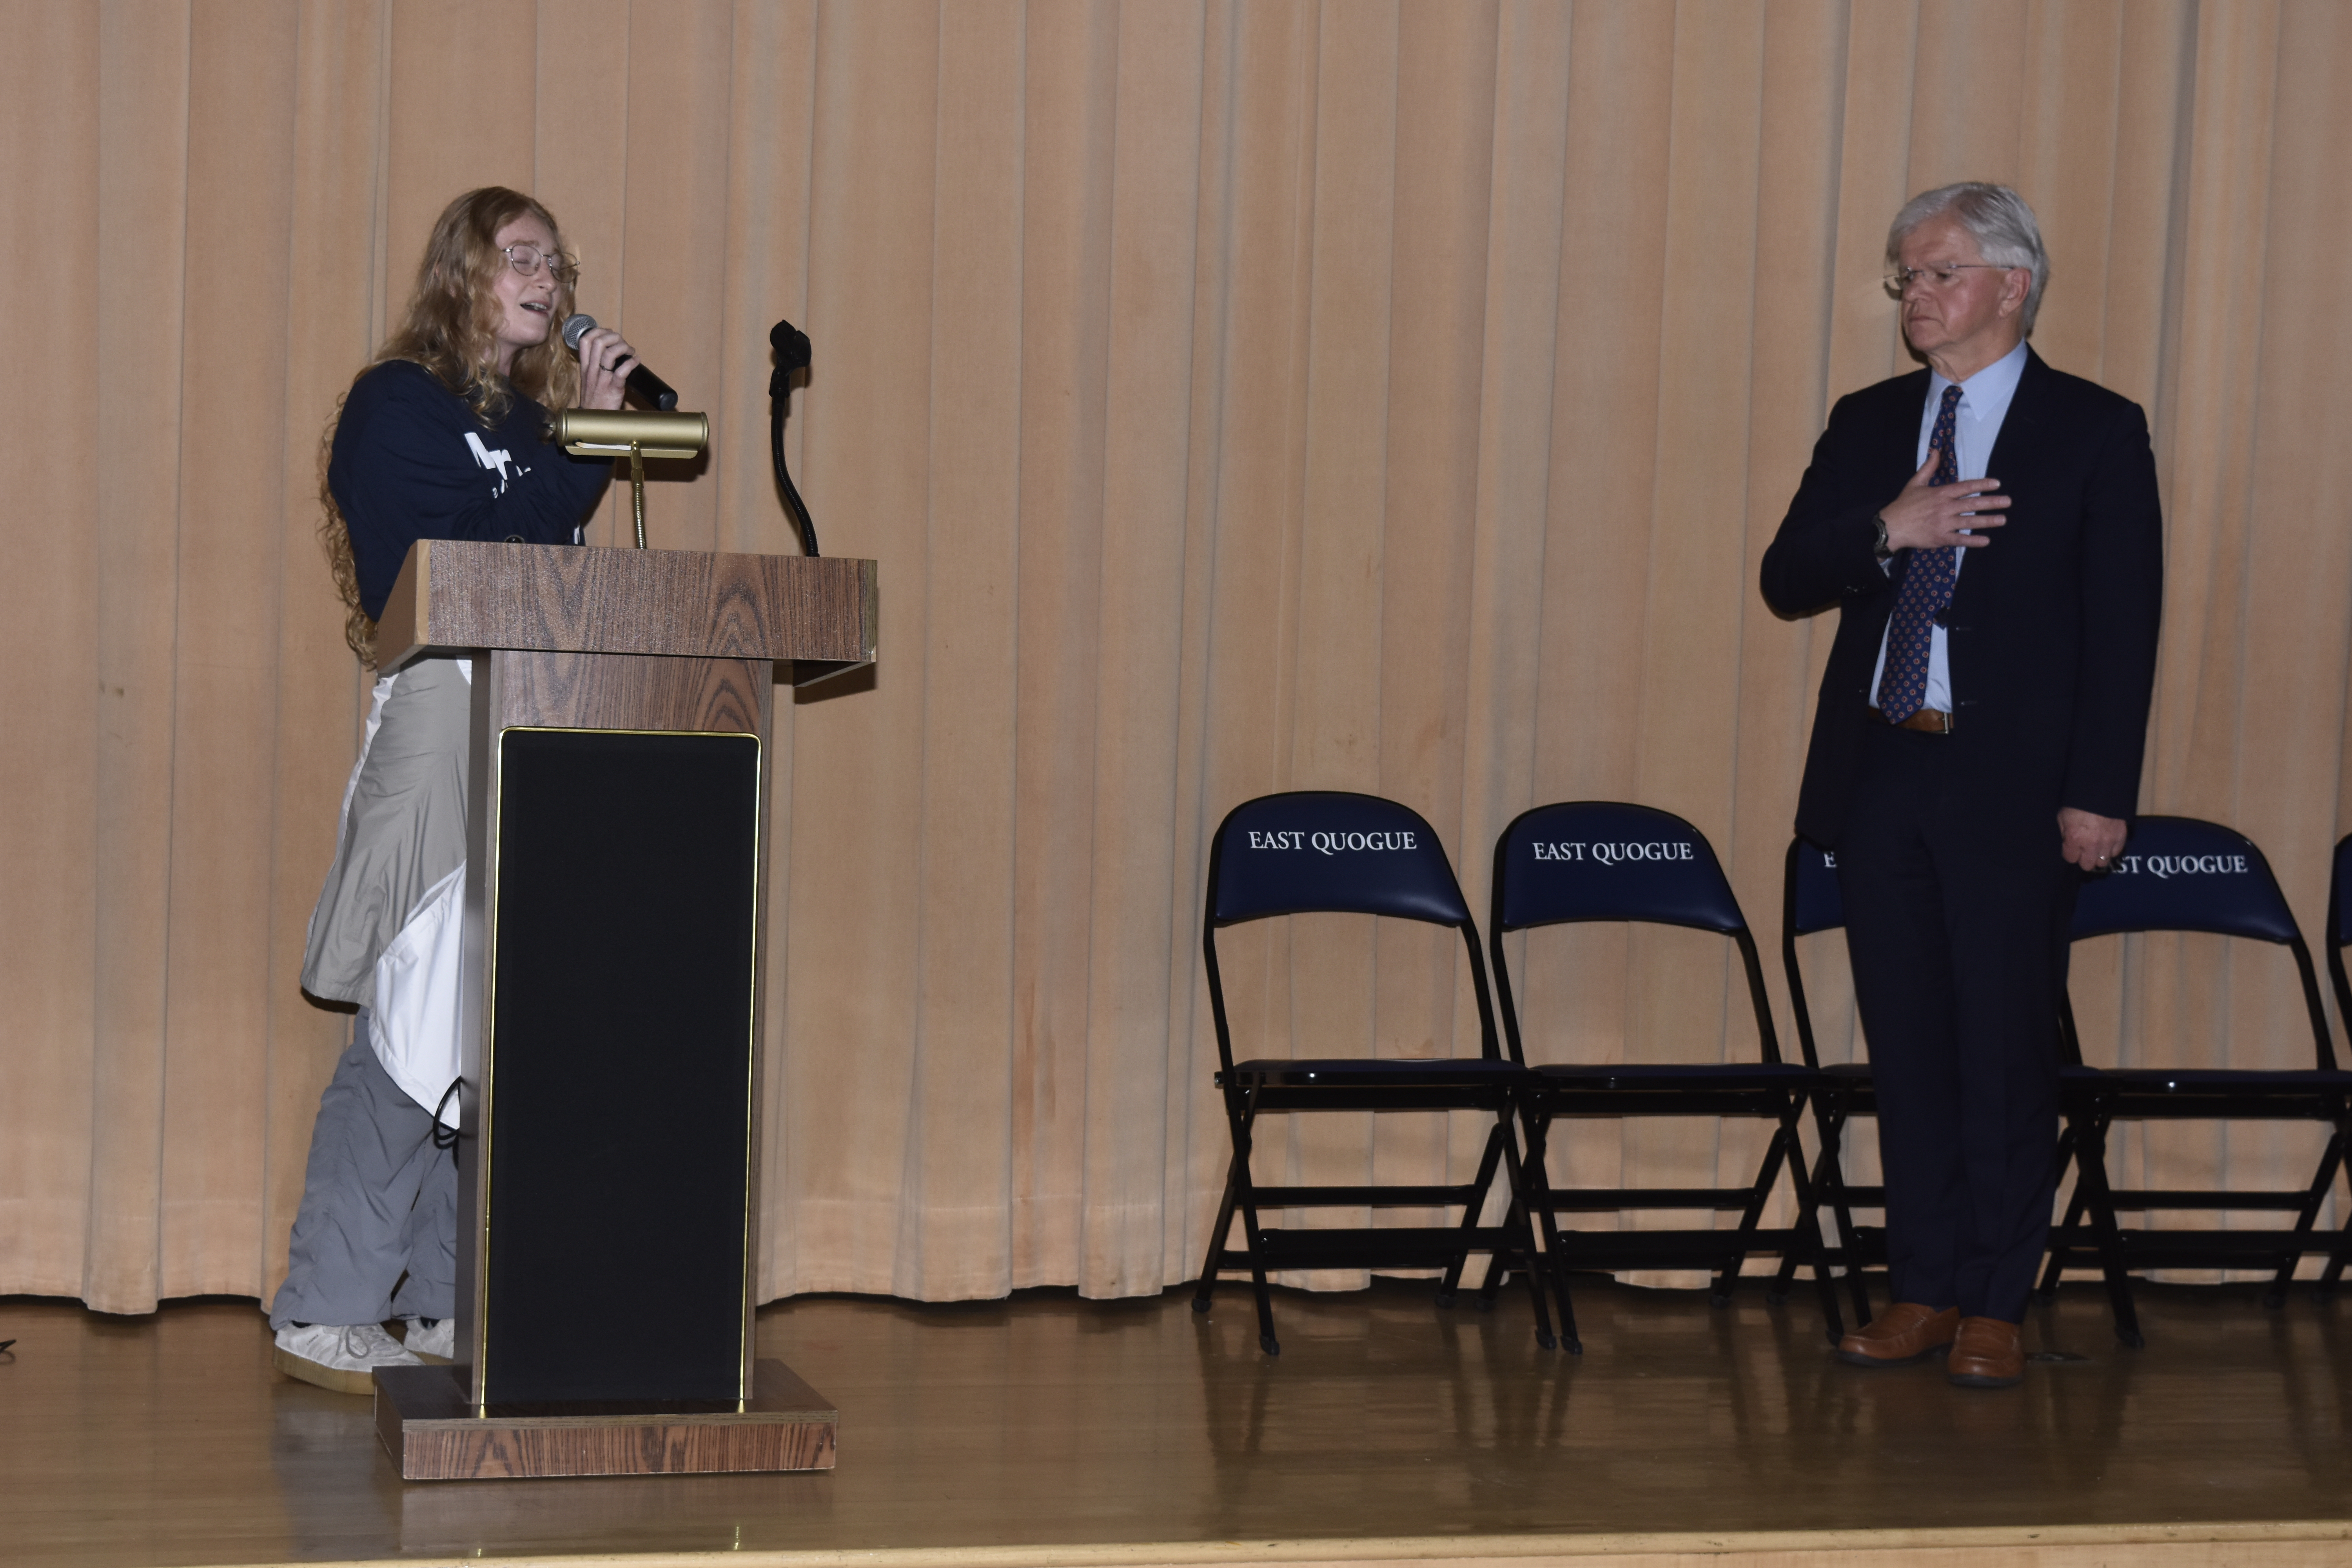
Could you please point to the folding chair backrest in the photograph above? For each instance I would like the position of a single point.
(1809, 902)
(1814, 903)
(2184, 873)
(2178, 873)
(1329, 852)
(1610, 860)
(1605, 860)
(1321, 850)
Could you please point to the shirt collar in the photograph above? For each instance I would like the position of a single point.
(1989, 390)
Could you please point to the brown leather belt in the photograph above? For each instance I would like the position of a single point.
(1927, 720)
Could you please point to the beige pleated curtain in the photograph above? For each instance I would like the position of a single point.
(1237, 397)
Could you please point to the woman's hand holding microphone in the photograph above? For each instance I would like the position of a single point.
(605, 361)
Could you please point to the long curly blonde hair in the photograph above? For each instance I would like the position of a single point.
(451, 328)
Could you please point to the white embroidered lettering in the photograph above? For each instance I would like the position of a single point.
(1615, 854)
(2168, 866)
(1327, 842)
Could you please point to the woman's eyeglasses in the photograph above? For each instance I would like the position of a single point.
(527, 259)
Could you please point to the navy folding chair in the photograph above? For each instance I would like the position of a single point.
(1607, 861)
(1321, 851)
(2180, 874)
(1811, 903)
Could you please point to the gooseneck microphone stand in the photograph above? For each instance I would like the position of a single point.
(791, 346)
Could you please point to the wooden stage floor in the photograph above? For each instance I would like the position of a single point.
(1049, 1430)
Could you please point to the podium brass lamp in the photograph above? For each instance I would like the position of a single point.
(631, 433)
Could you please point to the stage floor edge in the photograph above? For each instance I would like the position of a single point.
(2277, 1545)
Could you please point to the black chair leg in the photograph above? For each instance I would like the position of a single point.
(1241, 1115)
(2059, 1243)
(1265, 1340)
(1498, 1265)
(1536, 1202)
(2305, 1219)
(2343, 1253)
(1470, 1213)
(2062, 1246)
(1785, 1279)
(1217, 1234)
(1757, 1196)
(1809, 1225)
(2091, 1163)
(1514, 1220)
(1829, 1179)
(1490, 1284)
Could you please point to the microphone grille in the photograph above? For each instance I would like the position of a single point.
(576, 328)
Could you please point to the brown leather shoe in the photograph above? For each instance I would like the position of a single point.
(1903, 1333)
(1987, 1353)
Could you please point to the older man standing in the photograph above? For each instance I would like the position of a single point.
(1989, 531)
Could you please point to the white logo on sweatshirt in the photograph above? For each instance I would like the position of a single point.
(497, 461)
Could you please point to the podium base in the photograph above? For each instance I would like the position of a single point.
(433, 1434)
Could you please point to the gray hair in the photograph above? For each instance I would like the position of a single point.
(1996, 217)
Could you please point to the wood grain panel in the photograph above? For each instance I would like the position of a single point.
(623, 692)
(455, 595)
(422, 1418)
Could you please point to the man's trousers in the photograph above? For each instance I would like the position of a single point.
(1958, 931)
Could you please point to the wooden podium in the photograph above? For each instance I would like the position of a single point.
(608, 1153)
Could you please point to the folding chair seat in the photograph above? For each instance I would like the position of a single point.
(2180, 874)
(1606, 861)
(1328, 852)
(1811, 903)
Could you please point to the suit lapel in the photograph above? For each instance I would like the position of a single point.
(1907, 405)
(2015, 449)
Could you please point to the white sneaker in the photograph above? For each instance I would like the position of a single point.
(342, 1358)
(437, 1343)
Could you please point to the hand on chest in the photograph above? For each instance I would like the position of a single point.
(2036, 540)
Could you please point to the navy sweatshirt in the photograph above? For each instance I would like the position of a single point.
(410, 461)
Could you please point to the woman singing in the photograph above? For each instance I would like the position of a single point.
(438, 438)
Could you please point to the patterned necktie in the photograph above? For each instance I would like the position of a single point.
(1926, 589)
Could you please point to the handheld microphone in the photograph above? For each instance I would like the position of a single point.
(648, 389)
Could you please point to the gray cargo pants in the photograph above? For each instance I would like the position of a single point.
(376, 1236)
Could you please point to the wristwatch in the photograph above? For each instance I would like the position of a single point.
(1878, 539)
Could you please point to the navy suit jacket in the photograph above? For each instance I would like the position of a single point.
(2051, 629)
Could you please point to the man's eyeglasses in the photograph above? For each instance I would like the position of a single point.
(1899, 281)
(527, 259)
